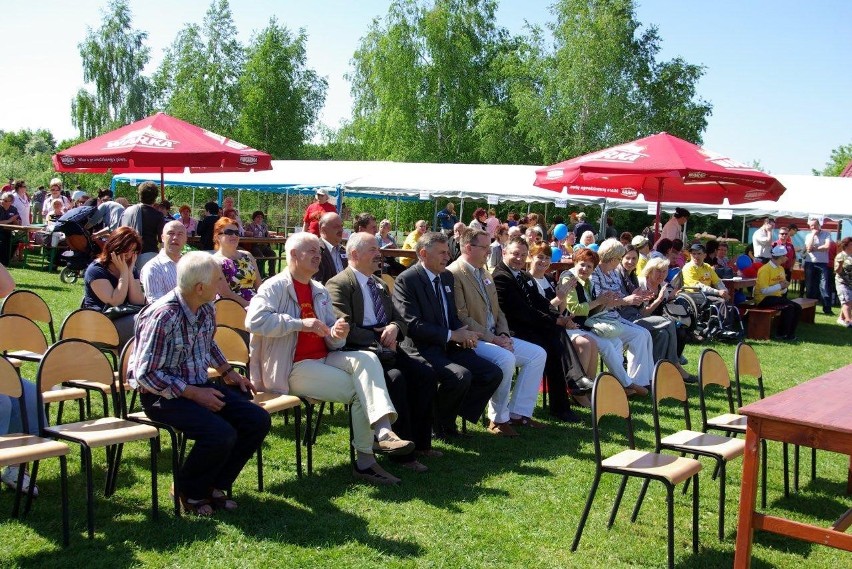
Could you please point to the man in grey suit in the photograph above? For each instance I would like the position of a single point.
(332, 253)
(424, 297)
(365, 302)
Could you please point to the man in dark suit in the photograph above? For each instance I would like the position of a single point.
(206, 225)
(365, 302)
(424, 297)
(332, 253)
(531, 318)
(454, 242)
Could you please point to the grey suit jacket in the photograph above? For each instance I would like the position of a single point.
(348, 301)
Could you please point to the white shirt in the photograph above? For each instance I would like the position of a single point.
(158, 276)
(338, 255)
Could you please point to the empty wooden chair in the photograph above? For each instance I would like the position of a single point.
(75, 360)
(21, 449)
(230, 313)
(668, 384)
(608, 398)
(27, 303)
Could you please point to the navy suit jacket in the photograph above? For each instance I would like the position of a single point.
(414, 299)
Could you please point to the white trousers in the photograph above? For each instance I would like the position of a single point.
(353, 378)
(530, 359)
(640, 353)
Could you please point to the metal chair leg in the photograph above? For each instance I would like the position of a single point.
(695, 499)
(86, 453)
(722, 500)
(63, 482)
(617, 502)
(297, 423)
(670, 520)
(155, 448)
(639, 500)
(586, 509)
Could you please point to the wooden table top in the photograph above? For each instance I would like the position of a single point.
(824, 402)
(195, 239)
(388, 252)
(739, 283)
(14, 227)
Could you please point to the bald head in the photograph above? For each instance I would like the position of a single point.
(331, 228)
(174, 239)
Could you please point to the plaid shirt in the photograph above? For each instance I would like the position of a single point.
(174, 347)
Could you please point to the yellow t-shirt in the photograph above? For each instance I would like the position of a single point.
(640, 264)
(409, 243)
(694, 275)
(767, 276)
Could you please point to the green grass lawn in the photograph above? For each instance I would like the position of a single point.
(488, 502)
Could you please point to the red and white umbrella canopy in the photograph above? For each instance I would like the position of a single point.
(160, 143)
(661, 167)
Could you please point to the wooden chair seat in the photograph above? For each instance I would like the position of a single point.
(105, 431)
(675, 469)
(20, 448)
(697, 441)
(728, 422)
(276, 402)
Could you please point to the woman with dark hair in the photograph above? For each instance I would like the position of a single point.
(242, 277)
(258, 228)
(112, 279)
(480, 219)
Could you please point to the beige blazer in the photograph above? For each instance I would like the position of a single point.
(470, 301)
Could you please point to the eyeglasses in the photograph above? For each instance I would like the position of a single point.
(782, 234)
(231, 232)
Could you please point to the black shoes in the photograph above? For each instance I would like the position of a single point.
(580, 386)
(567, 416)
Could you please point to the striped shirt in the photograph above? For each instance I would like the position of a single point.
(174, 347)
(158, 277)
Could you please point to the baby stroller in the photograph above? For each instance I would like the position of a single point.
(81, 249)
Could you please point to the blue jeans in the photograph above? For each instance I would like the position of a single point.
(817, 277)
(10, 412)
(224, 441)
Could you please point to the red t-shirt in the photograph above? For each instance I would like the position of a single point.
(309, 346)
(314, 212)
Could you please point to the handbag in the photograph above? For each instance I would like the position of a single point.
(606, 324)
(122, 310)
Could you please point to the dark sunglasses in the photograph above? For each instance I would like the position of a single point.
(230, 232)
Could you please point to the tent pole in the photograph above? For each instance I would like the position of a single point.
(659, 204)
(286, 208)
(545, 217)
(743, 239)
(435, 216)
(162, 185)
(396, 215)
(193, 200)
(602, 223)
(461, 209)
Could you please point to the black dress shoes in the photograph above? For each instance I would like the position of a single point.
(567, 416)
(580, 386)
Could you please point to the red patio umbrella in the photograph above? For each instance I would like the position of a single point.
(662, 168)
(160, 142)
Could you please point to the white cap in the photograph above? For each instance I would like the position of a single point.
(322, 192)
(55, 182)
(77, 195)
(779, 251)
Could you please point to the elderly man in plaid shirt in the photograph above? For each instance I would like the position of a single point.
(174, 347)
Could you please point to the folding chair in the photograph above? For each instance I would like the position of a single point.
(668, 384)
(236, 352)
(74, 360)
(608, 398)
(20, 449)
(27, 303)
(22, 340)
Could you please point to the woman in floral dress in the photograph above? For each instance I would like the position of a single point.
(242, 277)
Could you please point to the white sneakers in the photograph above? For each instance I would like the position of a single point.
(844, 323)
(10, 479)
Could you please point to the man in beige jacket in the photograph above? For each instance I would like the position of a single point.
(479, 308)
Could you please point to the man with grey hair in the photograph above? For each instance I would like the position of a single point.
(168, 366)
(159, 276)
(333, 255)
(425, 298)
(365, 301)
(295, 348)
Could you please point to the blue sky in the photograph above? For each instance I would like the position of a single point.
(777, 70)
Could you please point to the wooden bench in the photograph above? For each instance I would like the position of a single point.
(808, 309)
(760, 322)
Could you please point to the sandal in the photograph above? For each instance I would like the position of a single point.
(221, 501)
(202, 508)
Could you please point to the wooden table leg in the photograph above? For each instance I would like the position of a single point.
(748, 495)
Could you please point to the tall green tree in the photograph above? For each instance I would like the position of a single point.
(839, 159)
(281, 96)
(418, 77)
(198, 80)
(114, 57)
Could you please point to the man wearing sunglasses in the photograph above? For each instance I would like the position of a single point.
(786, 240)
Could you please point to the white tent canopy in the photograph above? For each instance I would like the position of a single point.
(805, 195)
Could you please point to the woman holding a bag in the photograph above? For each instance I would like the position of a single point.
(112, 281)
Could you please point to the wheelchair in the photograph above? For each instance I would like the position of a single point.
(704, 318)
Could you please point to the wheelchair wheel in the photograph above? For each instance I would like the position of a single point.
(69, 275)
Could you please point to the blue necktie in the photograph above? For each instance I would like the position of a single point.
(378, 305)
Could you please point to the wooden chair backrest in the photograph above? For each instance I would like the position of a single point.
(746, 361)
(609, 398)
(29, 304)
(230, 313)
(70, 360)
(231, 344)
(21, 333)
(389, 280)
(89, 325)
(712, 369)
(668, 383)
(10, 382)
(124, 360)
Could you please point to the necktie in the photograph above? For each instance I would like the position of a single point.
(440, 297)
(378, 305)
(523, 284)
(341, 262)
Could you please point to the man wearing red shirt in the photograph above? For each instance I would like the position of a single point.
(316, 210)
